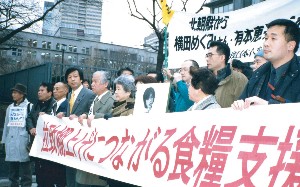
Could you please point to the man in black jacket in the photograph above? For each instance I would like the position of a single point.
(43, 106)
(278, 80)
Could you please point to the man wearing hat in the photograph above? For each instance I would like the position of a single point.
(259, 60)
(16, 138)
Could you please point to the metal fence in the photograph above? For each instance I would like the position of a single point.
(54, 72)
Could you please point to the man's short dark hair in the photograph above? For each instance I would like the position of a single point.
(48, 86)
(72, 69)
(222, 49)
(125, 69)
(291, 31)
(159, 76)
(204, 79)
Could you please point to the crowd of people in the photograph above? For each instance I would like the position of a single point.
(275, 80)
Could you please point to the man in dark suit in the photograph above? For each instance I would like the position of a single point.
(102, 104)
(79, 102)
(60, 92)
(57, 172)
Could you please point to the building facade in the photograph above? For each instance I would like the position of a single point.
(32, 48)
(151, 42)
(77, 19)
(220, 6)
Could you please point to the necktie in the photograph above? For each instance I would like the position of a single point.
(72, 101)
(54, 108)
(92, 106)
(271, 84)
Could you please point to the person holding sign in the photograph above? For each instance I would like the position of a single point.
(43, 168)
(101, 105)
(278, 80)
(16, 138)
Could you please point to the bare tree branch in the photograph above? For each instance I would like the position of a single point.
(27, 25)
(201, 8)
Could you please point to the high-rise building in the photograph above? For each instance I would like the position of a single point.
(77, 19)
(48, 29)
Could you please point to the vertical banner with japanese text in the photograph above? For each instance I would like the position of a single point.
(259, 146)
(243, 30)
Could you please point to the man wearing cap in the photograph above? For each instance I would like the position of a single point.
(16, 138)
(259, 60)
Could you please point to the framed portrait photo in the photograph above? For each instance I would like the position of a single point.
(151, 98)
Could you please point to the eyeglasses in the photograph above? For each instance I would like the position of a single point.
(183, 69)
(208, 55)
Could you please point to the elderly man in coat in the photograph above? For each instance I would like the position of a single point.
(16, 138)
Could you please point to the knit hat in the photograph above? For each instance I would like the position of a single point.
(20, 88)
(259, 53)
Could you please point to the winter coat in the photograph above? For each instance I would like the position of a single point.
(16, 139)
(123, 108)
(230, 88)
(287, 87)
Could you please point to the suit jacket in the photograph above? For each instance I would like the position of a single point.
(82, 103)
(63, 107)
(104, 105)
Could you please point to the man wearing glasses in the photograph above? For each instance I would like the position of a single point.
(181, 80)
(231, 83)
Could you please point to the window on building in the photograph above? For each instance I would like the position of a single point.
(33, 54)
(58, 46)
(72, 59)
(224, 8)
(43, 55)
(16, 52)
(87, 51)
(48, 45)
(71, 48)
(34, 43)
(29, 54)
(64, 47)
(30, 41)
(142, 58)
(83, 50)
(74, 49)
(47, 56)
(3, 52)
(82, 60)
(44, 44)
(57, 57)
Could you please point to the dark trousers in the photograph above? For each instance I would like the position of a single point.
(49, 174)
(115, 183)
(85, 185)
(71, 176)
(23, 168)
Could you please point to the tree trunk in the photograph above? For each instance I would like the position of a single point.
(160, 53)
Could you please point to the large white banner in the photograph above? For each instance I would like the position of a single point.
(243, 30)
(259, 146)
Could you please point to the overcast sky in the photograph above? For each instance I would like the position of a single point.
(118, 27)
(123, 29)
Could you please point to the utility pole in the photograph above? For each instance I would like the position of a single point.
(62, 64)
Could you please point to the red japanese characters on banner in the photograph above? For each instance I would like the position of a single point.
(189, 155)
